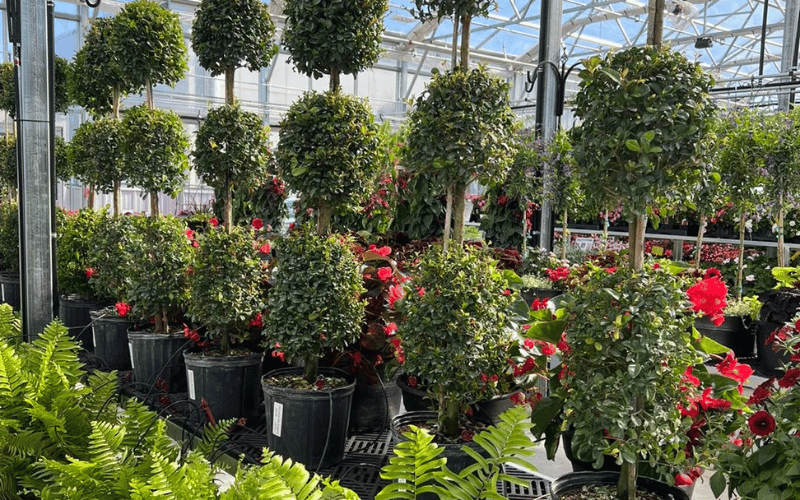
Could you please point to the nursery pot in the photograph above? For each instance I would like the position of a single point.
(413, 398)
(734, 333)
(577, 480)
(770, 362)
(490, 410)
(308, 426)
(110, 339)
(9, 288)
(229, 384)
(374, 405)
(73, 310)
(158, 356)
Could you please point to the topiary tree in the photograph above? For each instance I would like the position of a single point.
(462, 12)
(645, 113)
(7, 96)
(461, 127)
(96, 157)
(265, 200)
(97, 81)
(231, 148)
(154, 145)
(148, 41)
(229, 35)
(8, 102)
(327, 151)
(330, 37)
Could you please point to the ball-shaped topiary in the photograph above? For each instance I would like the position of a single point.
(95, 154)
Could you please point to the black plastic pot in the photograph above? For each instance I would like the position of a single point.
(229, 384)
(73, 311)
(490, 410)
(10, 289)
(576, 480)
(734, 333)
(414, 399)
(309, 427)
(157, 356)
(374, 405)
(110, 339)
(770, 362)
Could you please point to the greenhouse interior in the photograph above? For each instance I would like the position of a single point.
(385, 249)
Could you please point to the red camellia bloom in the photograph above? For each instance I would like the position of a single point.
(213, 221)
(396, 293)
(90, 272)
(190, 234)
(122, 309)
(683, 480)
(256, 322)
(761, 423)
(390, 329)
(257, 223)
(385, 273)
(708, 297)
(264, 249)
(789, 378)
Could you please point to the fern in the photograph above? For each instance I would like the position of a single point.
(213, 437)
(415, 467)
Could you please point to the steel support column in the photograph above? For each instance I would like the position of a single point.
(789, 52)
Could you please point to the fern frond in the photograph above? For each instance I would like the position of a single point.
(10, 325)
(214, 436)
(415, 463)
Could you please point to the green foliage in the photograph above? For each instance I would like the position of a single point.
(427, 10)
(331, 36)
(75, 239)
(328, 148)
(64, 167)
(154, 145)
(228, 35)
(645, 113)
(147, 40)
(47, 403)
(63, 70)
(109, 255)
(160, 255)
(96, 70)
(462, 126)
(420, 208)
(416, 467)
(314, 303)
(8, 102)
(281, 479)
(226, 283)
(9, 237)
(455, 323)
(7, 95)
(265, 199)
(231, 149)
(8, 162)
(95, 154)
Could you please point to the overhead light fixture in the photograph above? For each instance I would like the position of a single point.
(703, 42)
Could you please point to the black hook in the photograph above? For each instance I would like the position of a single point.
(92, 3)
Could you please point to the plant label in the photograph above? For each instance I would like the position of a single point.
(94, 338)
(585, 244)
(277, 418)
(190, 383)
(130, 349)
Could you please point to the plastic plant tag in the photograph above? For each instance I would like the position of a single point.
(190, 383)
(277, 418)
(130, 348)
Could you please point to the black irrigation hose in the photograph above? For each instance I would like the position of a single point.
(330, 426)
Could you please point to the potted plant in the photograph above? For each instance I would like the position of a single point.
(9, 254)
(736, 332)
(534, 274)
(160, 254)
(75, 236)
(631, 382)
(755, 462)
(454, 333)
(778, 306)
(313, 306)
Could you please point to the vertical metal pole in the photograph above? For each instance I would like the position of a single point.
(35, 169)
(789, 51)
(546, 94)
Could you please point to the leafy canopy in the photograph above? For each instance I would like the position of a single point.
(97, 70)
(95, 154)
(232, 34)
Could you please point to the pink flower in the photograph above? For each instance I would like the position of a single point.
(257, 223)
(421, 291)
(264, 249)
(396, 292)
(383, 251)
(90, 273)
(385, 273)
(390, 329)
(213, 221)
(122, 309)
(190, 234)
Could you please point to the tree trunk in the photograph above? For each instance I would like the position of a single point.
(655, 22)
(524, 207)
(228, 222)
(454, 51)
(636, 230)
(149, 96)
(564, 235)
(160, 325)
(781, 239)
(448, 212)
(311, 370)
(335, 83)
(626, 487)
(450, 412)
(699, 245)
(116, 203)
(154, 210)
(324, 218)
(459, 193)
(90, 197)
(115, 102)
(465, 24)
(740, 264)
(229, 84)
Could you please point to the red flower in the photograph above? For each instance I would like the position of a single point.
(528, 343)
(712, 272)
(506, 292)
(709, 403)
(257, 223)
(790, 378)
(357, 357)
(122, 309)
(385, 273)
(761, 423)
(213, 221)
(191, 334)
(467, 435)
(611, 270)
(421, 291)
(412, 381)
(539, 304)
(189, 234)
(383, 251)
(90, 272)
(557, 273)
(264, 249)
(689, 378)
(762, 392)
(708, 297)
(396, 292)
(517, 398)
(683, 479)
(731, 368)
(256, 322)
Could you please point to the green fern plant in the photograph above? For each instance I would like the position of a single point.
(417, 467)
